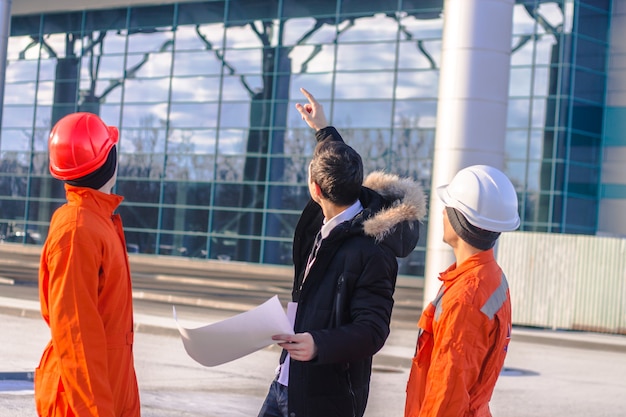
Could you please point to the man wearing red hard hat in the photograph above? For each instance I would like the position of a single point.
(85, 292)
(465, 332)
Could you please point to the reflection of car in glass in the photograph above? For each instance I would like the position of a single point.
(18, 236)
(132, 248)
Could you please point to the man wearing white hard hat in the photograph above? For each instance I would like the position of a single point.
(465, 331)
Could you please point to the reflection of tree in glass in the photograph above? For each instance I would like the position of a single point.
(142, 161)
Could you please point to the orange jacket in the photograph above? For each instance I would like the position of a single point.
(464, 335)
(86, 300)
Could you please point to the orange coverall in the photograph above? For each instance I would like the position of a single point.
(86, 299)
(464, 336)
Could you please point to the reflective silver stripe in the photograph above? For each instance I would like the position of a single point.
(497, 299)
(437, 303)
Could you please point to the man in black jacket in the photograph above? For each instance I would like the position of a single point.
(345, 251)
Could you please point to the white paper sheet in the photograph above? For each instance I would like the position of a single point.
(235, 337)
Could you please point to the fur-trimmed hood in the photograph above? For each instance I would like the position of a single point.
(396, 223)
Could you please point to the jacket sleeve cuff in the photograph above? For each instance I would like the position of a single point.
(328, 133)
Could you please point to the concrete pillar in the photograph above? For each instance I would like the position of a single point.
(5, 31)
(472, 107)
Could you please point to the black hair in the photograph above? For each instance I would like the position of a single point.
(338, 170)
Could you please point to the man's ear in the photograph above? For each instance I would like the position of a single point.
(317, 190)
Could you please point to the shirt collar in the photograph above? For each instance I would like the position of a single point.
(347, 214)
(473, 261)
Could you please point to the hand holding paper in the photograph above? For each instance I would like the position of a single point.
(301, 346)
(238, 336)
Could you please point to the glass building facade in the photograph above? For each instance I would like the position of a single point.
(213, 155)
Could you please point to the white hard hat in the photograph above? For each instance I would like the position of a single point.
(485, 196)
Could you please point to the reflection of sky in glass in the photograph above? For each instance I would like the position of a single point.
(188, 39)
(195, 89)
(374, 28)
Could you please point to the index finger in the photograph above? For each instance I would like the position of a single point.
(308, 95)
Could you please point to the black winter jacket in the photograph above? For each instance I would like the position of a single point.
(347, 298)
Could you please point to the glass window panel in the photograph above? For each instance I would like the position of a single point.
(40, 159)
(225, 248)
(277, 252)
(114, 42)
(203, 38)
(203, 140)
(544, 48)
(194, 115)
(19, 93)
(581, 212)
(516, 171)
(589, 86)
(17, 116)
(295, 30)
(593, 23)
(229, 167)
(286, 223)
(351, 114)
(237, 89)
(149, 65)
(359, 56)
(295, 8)
(535, 148)
(108, 66)
(291, 197)
(538, 113)
(62, 22)
(371, 28)
(14, 162)
(100, 20)
(416, 26)
(45, 93)
(149, 116)
(591, 55)
(364, 85)
(532, 183)
(419, 54)
(244, 61)
(417, 84)
(16, 140)
(182, 219)
(523, 48)
(541, 81)
(520, 80)
(412, 150)
(196, 13)
(189, 167)
(228, 195)
(146, 90)
(367, 6)
(587, 117)
(148, 42)
(235, 115)
(144, 165)
(138, 242)
(320, 85)
(139, 191)
(189, 193)
(12, 208)
(585, 149)
(243, 37)
(313, 58)
(21, 47)
(110, 113)
(516, 144)
(195, 89)
(145, 140)
(57, 46)
(249, 10)
(197, 63)
(415, 114)
(518, 113)
(151, 17)
(22, 70)
(109, 91)
(136, 216)
(523, 23)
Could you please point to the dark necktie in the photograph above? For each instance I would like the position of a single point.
(316, 245)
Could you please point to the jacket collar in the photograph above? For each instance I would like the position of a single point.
(102, 203)
(454, 271)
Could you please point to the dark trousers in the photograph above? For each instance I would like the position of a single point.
(275, 404)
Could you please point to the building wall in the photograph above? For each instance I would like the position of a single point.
(213, 154)
(613, 191)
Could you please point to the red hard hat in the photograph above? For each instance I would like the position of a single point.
(79, 144)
